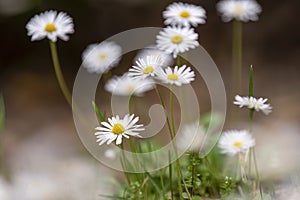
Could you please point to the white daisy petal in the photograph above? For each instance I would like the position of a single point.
(242, 10)
(253, 103)
(175, 40)
(119, 128)
(146, 67)
(51, 25)
(177, 76)
(234, 142)
(100, 58)
(184, 14)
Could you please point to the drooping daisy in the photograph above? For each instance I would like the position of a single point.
(100, 58)
(145, 68)
(242, 10)
(236, 141)
(116, 128)
(253, 103)
(184, 14)
(126, 86)
(154, 51)
(50, 24)
(174, 40)
(177, 76)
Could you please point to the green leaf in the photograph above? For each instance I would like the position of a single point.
(99, 114)
(251, 81)
(160, 192)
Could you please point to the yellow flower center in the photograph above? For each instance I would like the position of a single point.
(173, 77)
(238, 10)
(102, 56)
(148, 70)
(177, 39)
(184, 14)
(118, 129)
(238, 144)
(50, 28)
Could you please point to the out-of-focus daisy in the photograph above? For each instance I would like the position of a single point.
(109, 153)
(126, 86)
(50, 24)
(184, 14)
(174, 40)
(236, 141)
(146, 67)
(154, 51)
(116, 128)
(191, 135)
(242, 10)
(177, 76)
(100, 58)
(253, 103)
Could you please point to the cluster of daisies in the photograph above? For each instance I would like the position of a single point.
(240, 141)
(152, 64)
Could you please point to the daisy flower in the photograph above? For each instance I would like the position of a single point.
(50, 24)
(116, 128)
(126, 86)
(145, 68)
(236, 141)
(100, 58)
(184, 14)
(166, 58)
(174, 40)
(242, 10)
(253, 103)
(177, 76)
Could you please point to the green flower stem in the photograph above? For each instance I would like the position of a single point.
(124, 161)
(58, 72)
(252, 150)
(2, 119)
(172, 137)
(236, 63)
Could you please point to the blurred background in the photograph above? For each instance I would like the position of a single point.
(40, 145)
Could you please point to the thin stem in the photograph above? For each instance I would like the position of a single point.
(172, 111)
(2, 121)
(237, 56)
(257, 174)
(59, 75)
(252, 150)
(163, 105)
(124, 163)
(236, 63)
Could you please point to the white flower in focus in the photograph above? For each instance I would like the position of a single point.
(100, 58)
(51, 25)
(234, 142)
(184, 14)
(178, 75)
(253, 103)
(126, 86)
(191, 136)
(174, 40)
(146, 67)
(116, 128)
(242, 10)
(154, 51)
